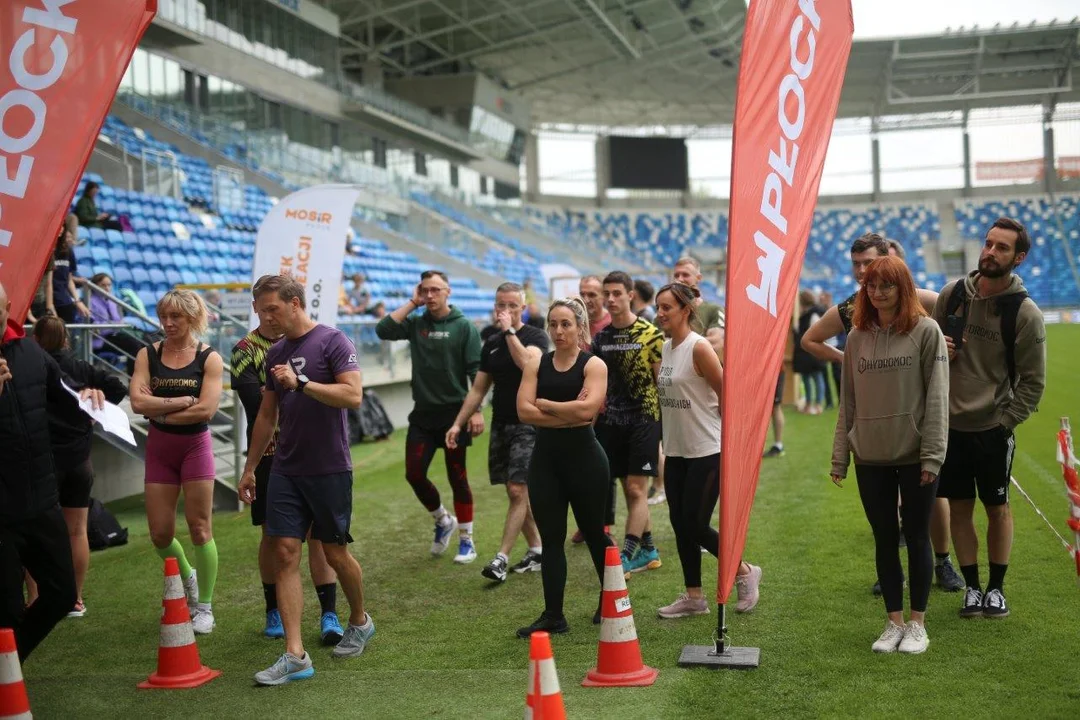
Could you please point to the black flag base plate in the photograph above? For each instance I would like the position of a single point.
(738, 658)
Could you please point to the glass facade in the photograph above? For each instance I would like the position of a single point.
(263, 30)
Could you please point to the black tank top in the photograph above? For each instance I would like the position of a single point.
(560, 386)
(167, 382)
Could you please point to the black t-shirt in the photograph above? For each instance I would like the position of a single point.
(496, 361)
(64, 267)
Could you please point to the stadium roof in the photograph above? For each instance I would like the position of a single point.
(675, 62)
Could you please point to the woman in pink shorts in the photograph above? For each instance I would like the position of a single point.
(177, 386)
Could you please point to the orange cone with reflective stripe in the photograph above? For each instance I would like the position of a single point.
(178, 657)
(618, 657)
(14, 705)
(544, 698)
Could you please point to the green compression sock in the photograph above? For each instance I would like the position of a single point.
(176, 550)
(206, 562)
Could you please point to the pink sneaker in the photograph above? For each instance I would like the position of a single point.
(747, 587)
(684, 606)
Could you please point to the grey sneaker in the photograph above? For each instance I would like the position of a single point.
(684, 606)
(947, 578)
(286, 669)
(355, 639)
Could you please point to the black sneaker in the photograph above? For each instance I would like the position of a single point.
(994, 606)
(973, 603)
(529, 563)
(495, 570)
(947, 578)
(550, 625)
(774, 452)
(876, 590)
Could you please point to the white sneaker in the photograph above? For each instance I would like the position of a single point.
(915, 640)
(658, 499)
(444, 531)
(202, 622)
(191, 589)
(890, 638)
(466, 550)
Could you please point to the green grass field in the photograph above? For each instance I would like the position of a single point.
(445, 646)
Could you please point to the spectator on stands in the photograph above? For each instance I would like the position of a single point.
(530, 297)
(534, 316)
(642, 305)
(212, 298)
(378, 310)
(71, 431)
(65, 295)
(344, 307)
(103, 310)
(809, 367)
(359, 296)
(42, 304)
(86, 210)
(838, 342)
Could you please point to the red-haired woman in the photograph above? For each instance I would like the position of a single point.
(894, 420)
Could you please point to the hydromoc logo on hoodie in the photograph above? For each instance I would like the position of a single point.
(885, 364)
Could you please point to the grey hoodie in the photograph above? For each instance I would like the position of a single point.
(894, 399)
(980, 396)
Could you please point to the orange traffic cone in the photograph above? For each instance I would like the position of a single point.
(14, 705)
(618, 657)
(178, 657)
(544, 699)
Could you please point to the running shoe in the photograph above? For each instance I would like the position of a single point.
(658, 499)
(915, 640)
(890, 638)
(287, 669)
(645, 560)
(627, 563)
(495, 570)
(355, 639)
(684, 606)
(330, 631)
(78, 611)
(774, 452)
(947, 578)
(202, 622)
(994, 605)
(466, 551)
(554, 626)
(747, 587)
(274, 628)
(973, 603)
(444, 530)
(577, 538)
(191, 590)
(530, 563)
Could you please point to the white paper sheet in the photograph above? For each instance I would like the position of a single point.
(111, 417)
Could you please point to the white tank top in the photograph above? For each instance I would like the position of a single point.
(689, 408)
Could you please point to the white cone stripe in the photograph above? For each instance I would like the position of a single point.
(528, 713)
(174, 589)
(614, 578)
(549, 679)
(20, 716)
(618, 630)
(532, 677)
(10, 672)
(177, 635)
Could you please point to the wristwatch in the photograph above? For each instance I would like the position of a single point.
(511, 331)
(301, 383)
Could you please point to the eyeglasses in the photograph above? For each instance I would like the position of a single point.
(880, 288)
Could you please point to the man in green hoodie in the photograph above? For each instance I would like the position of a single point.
(989, 395)
(445, 360)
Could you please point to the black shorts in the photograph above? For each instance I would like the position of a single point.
(978, 461)
(778, 398)
(319, 503)
(262, 483)
(74, 484)
(631, 449)
(429, 427)
(510, 449)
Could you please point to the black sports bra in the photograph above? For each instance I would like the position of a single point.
(167, 382)
(560, 386)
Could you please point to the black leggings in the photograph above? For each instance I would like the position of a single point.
(878, 488)
(693, 487)
(568, 468)
(420, 447)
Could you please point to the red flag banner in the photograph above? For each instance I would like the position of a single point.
(794, 54)
(60, 64)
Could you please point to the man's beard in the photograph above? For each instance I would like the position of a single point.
(990, 269)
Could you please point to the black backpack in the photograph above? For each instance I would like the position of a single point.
(102, 529)
(1007, 306)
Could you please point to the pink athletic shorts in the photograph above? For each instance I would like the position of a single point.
(173, 459)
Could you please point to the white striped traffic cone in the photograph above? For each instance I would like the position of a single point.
(14, 705)
(544, 699)
(178, 657)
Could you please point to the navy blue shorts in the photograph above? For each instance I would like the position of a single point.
(321, 503)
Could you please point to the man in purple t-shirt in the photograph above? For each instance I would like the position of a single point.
(313, 379)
